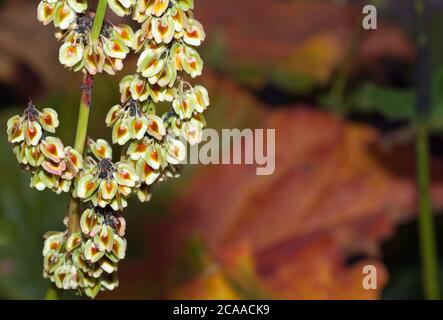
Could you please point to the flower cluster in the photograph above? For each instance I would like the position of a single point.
(53, 165)
(79, 51)
(103, 182)
(153, 152)
(131, 122)
(87, 260)
(62, 13)
(166, 39)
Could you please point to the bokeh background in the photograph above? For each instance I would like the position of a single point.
(343, 194)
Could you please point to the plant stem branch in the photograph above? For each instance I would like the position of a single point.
(340, 82)
(426, 222)
(80, 140)
(83, 115)
(428, 247)
(52, 294)
(98, 20)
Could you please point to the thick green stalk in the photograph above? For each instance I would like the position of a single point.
(428, 247)
(83, 114)
(98, 20)
(80, 140)
(52, 294)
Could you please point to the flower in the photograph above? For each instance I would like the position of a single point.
(100, 149)
(193, 34)
(121, 7)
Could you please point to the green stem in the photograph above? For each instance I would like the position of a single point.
(80, 140)
(336, 95)
(52, 294)
(428, 247)
(83, 114)
(98, 20)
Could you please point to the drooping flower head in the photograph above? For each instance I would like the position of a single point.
(79, 52)
(87, 261)
(52, 164)
(103, 182)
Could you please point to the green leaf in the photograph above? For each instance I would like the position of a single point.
(392, 103)
(398, 104)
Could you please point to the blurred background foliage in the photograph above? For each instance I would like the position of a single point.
(343, 196)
